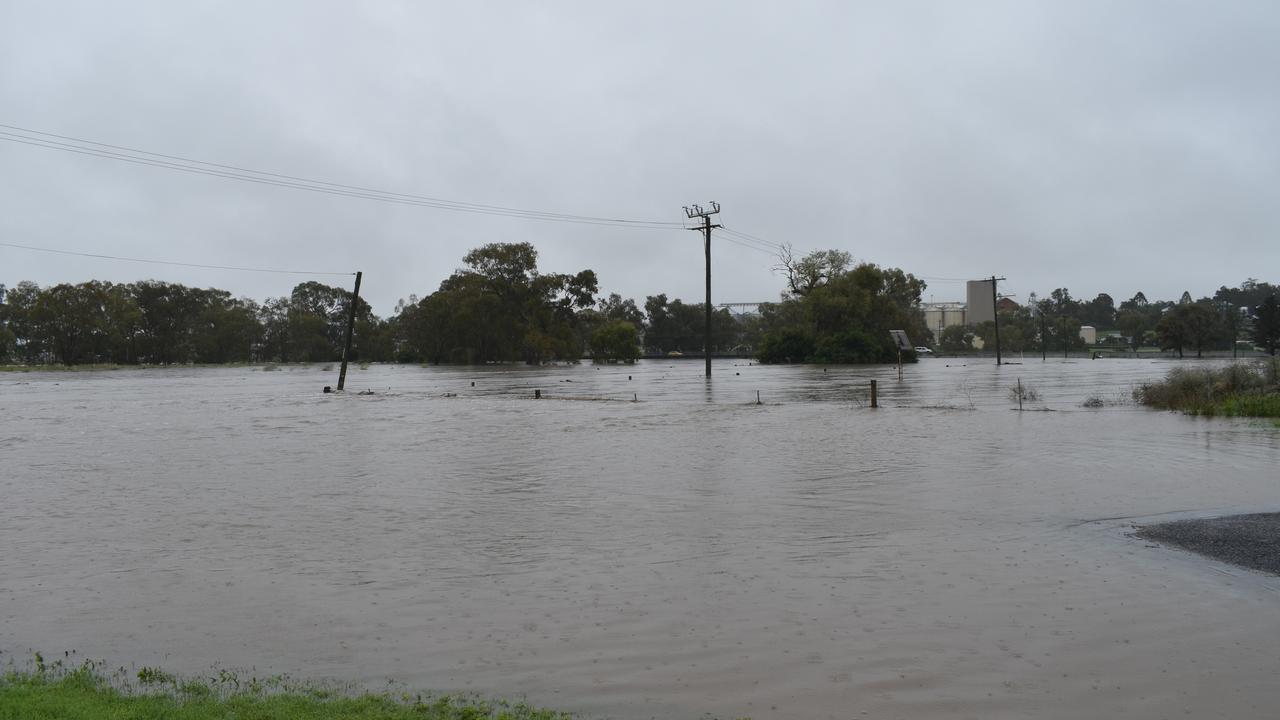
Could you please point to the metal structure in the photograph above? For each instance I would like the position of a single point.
(742, 308)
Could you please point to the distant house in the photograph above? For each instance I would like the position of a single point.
(1005, 304)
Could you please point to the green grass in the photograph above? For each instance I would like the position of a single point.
(86, 693)
(1237, 390)
(1251, 406)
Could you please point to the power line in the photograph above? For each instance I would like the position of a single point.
(178, 163)
(753, 238)
(231, 172)
(747, 245)
(752, 241)
(755, 242)
(169, 262)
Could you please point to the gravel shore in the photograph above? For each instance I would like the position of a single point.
(1251, 541)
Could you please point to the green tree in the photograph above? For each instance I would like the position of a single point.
(847, 317)
(1191, 325)
(226, 329)
(167, 315)
(69, 318)
(674, 326)
(273, 318)
(615, 308)
(1171, 333)
(1099, 312)
(615, 340)
(806, 274)
(1134, 325)
(786, 346)
(956, 339)
(1018, 331)
(1266, 325)
(29, 342)
(499, 308)
(318, 316)
(1251, 294)
(8, 341)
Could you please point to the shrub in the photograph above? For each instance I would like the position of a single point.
(789, 346)
(1236, 390)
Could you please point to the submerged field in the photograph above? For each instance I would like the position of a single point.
(641, 543)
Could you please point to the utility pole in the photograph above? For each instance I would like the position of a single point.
(351, 324)
(694, 211)
(1233, 317)
(1044, 339)
(995, 313)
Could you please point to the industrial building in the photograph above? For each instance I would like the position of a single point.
(980, 301)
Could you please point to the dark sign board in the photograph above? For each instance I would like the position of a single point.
(900, 339)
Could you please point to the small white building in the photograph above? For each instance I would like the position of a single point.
(1089, 334)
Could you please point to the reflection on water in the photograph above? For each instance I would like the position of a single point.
(692, 552)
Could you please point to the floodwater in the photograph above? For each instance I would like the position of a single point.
(640, 543)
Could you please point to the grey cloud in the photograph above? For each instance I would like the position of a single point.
(1098, 146)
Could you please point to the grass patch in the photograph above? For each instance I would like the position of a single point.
(85, 692)
(1238, 390)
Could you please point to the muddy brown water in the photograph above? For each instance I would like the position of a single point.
(690, 553)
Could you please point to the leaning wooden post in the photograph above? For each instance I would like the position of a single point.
(351, 324)
(874, 403)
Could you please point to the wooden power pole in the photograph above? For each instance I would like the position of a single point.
(995, 314)
(694, 211)
(351, 325)
(1044, 338)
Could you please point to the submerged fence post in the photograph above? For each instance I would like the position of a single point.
(874, 402)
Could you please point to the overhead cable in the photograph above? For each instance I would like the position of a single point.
(66, 143)
(170, 262)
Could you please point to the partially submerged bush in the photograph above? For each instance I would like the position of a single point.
(1239, 389)
(1021, 393)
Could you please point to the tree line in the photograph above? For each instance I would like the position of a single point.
(498, 307)
(155, 322)
(1248, 314)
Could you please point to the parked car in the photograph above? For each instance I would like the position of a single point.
(923, 351)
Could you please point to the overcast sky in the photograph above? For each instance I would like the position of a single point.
(1099, 146)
